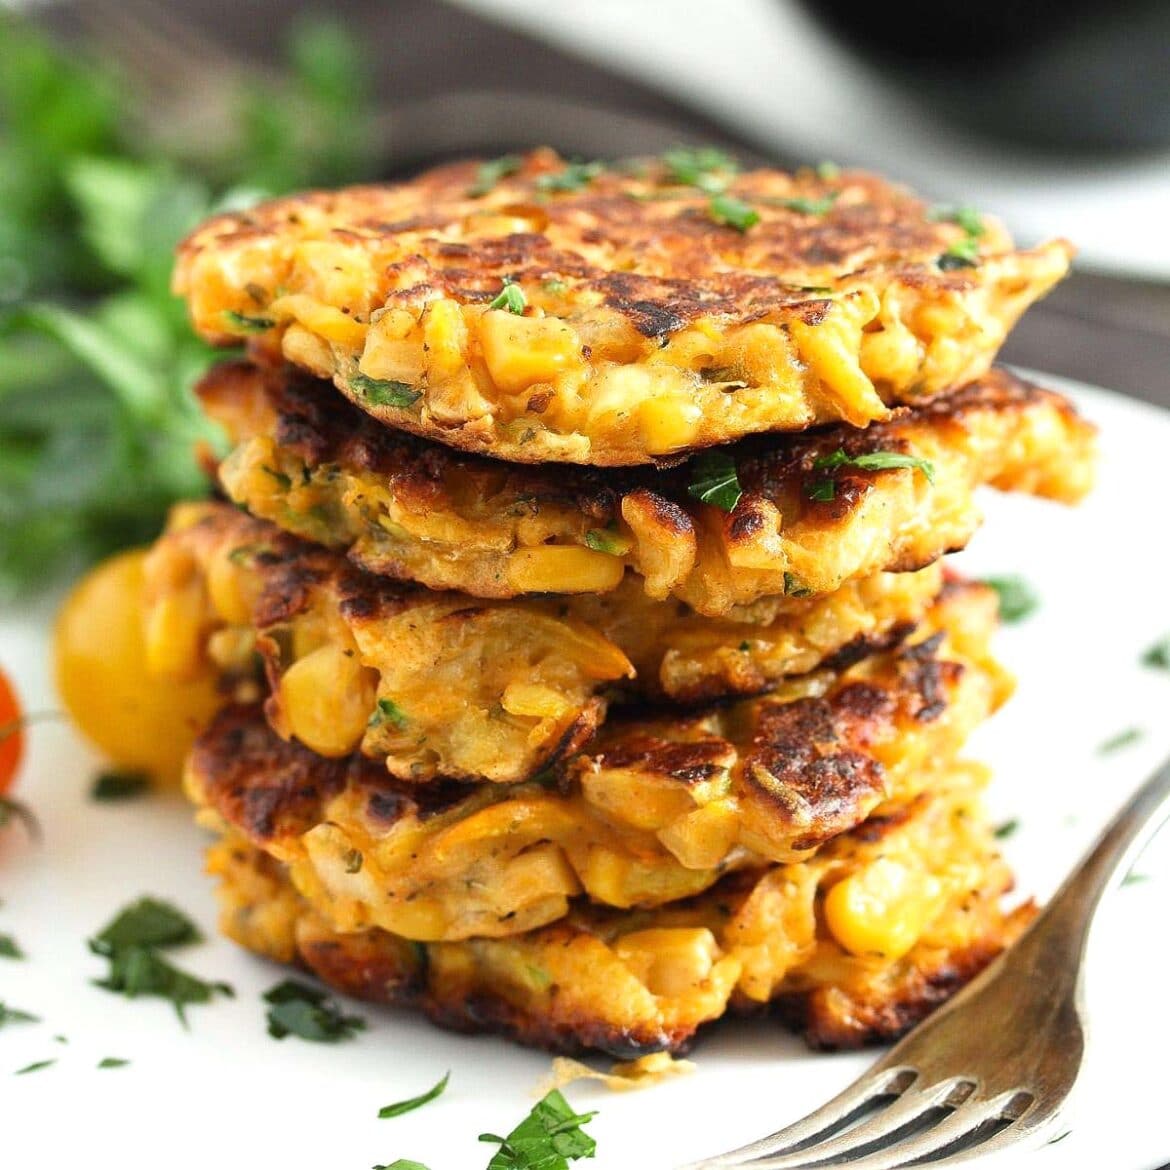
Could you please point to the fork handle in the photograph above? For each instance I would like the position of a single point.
(1072, 908)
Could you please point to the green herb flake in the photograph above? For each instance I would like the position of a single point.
(384, 391)
(744, 646)
(547, 1139)
(297, 1009)
(874, 461)
(1007, 829)
(705, 167)
(966, 217)
(803, 205)
(492, 171)
(554, 287)
(11, 1015)
(828, 171)
(412, 1103)
(1017, 599)
(1135, 878)
(353, 861)
(243, 323)
(388, 711)
(821, 490)
(401, 1164)
(715, 480)
(132, 942)
(963, 253)
(511, 297)
(575, 177)
(1157, 656)
(36, 1066)
(793, 587)
(112, 1062)
(728, 211)
(1122, 739)
(10, 948)
(115, 786)
(607, 540)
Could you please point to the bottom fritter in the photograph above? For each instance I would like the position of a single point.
(853, 945)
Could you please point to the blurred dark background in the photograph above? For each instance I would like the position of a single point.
(122, 122)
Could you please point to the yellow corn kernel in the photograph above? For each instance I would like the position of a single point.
(563, 569)
(704, 837)
(394, 349)
(307, 350)
(614, 877)
(832, 348)
(445, 340)
(231, 648)
(225, 587)
(669, 961)
(882, 910)
(174, 632)
(521, 351)
(320, 319)
(327, 698)
(534, 700)
(668, 423)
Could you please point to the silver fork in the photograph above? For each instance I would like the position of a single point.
(995, 1065)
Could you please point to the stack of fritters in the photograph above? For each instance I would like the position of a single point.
(589, 667)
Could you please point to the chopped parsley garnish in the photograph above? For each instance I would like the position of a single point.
(36, 1066)
(401, 1164)
(353, 861)
(963, 253)
(384, 391)
(510, 297)
(575, 177)
(554, 286)
(732, 212)
(401, 1107)
(607, 540)
(805, 206)
(714, 480)
(284, 481)
(1017, 599)
(492, 171)
(246, 324)
(794, 588)
(825, 489)
(10, 948)
(11, 1015)
(1122, 739)
(1007, 829)
(1158, 655)
(388, 711)
(828, 170)
(132, 943)
(114, 786)
(300, 1010)
(966, 217)
(744, 646)
(547, 1139)
(112, 1062)
(704, 167)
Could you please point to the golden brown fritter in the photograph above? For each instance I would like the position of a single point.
(444, 684)
(616, 318)
(403, 508)
(855, 944)
(657, 809)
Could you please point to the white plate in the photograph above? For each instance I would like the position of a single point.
(225, 1094)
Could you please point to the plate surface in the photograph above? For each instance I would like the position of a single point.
(225, 1094)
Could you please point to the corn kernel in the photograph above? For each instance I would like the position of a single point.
(882, 909)
(563, 569)
(533, 700)
(668, 423)
(321, 319)
(521, 351)
(174, 632)
(670, 961)
(327, 698)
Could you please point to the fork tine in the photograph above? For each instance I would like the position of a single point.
(878, 1082)
(911, 1106)
(965, 1119)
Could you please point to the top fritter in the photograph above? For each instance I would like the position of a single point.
(538, 310)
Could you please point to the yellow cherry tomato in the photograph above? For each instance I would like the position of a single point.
(140, 721)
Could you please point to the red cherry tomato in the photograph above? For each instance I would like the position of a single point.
(11, 733)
